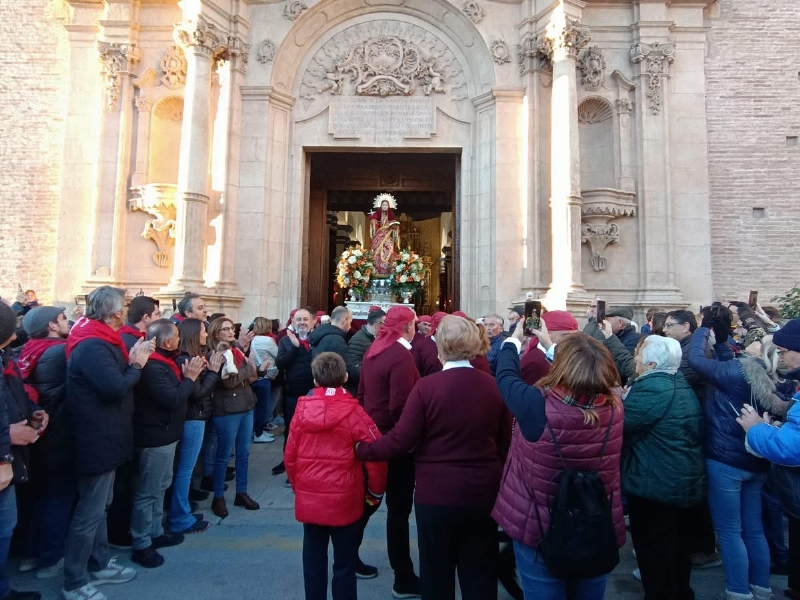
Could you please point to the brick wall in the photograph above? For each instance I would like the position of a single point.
(32, 101)
(753, 86)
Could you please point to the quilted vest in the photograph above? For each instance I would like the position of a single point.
(530, 477)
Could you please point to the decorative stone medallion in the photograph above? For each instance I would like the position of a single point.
(592, 66)
(174, 67)
(500, 52)
(294, 9)
(473, 10)
(265, 52)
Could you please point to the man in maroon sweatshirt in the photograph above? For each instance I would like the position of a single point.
(388, 374)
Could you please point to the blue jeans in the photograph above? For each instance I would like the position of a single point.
(539, 584)
(8, 520)
(52, 513)
(232, 429)
(734, 496)
(263, 410)
(180, 515)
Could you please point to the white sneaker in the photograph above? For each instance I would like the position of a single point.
(637, 575)
(49, 572)
(87, 592)
(264, 438)
(28, 564)
(113, 573)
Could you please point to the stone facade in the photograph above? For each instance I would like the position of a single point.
(604, 149)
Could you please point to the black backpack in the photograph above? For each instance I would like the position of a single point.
(581, 541)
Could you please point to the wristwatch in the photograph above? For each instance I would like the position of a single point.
(7, 459)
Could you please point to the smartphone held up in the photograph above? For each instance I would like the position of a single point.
(533, 316)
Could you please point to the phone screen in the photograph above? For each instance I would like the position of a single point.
(753, 300)
(600, 315)
(533, 315)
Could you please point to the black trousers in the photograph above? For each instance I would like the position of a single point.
(662, 536)
(703, 538)
(399, 502)
(315, 561)
(794, 554)
(118, 519)
(462, 540)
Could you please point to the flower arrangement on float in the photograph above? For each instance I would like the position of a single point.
(355, 270)
(408, 274)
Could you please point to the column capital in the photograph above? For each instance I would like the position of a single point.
(564, 38)
(654, 60)
(200, 36)
(238, 53)
(116, 59)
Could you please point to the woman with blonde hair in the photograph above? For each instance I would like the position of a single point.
(571, 420)
(458, 430)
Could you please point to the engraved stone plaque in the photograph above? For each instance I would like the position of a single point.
(382, 120)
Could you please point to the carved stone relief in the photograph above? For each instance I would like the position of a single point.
(385, 58)
(238, 54)
(624, 106)
(566, 38)
(599, 236)
(598, 209)
(500, 52)
(532, 54)
(116, 60)
(201, 36)
(143, 104)
(592, 66)
(473, 10)
(265, 52)
(594, 110)
(157, 200)
(174, 67)
(656, 58)
(294, 9)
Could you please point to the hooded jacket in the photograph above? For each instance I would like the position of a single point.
(327, 478)
(732, 383)
(330, 338)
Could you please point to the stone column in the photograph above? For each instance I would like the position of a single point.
(564, 39)
(202, 42)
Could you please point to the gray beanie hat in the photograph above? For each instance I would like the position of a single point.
(37, 320)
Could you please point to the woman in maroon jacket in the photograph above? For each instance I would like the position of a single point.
(458, 429)
(577, 400)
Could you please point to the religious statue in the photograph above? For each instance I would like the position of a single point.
(384, 231)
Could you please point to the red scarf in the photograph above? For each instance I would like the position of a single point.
(130, 330)
(87, 329)
(238, 357)
(396, 319)
(168, 360)
(303, 343)
(32, 351)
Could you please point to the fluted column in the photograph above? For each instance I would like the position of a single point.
(202, 42)
(564, 39)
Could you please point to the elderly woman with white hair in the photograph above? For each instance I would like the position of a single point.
(663, 469)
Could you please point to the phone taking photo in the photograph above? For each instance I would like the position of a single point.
(600, 313)
(752, 301)
(533, 316)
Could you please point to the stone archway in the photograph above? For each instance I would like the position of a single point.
(299, 112)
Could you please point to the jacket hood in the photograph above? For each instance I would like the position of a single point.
(325, 409)
(324, 330)
(762, 386)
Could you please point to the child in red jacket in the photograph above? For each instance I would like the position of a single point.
(328, 480)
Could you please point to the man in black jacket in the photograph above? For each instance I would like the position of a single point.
(621, 319)
(680, 325)
(332, 337)
(362, 340)
(159, 412)
(101, 375)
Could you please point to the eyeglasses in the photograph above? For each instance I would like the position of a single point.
(668, 325)
(226, 329)
(381, 323)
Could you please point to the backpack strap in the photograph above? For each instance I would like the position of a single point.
(608, 433)
(602, 449)
(558, 448)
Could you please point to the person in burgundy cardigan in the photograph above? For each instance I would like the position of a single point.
(423, 328)
(459, 430)
(426, 355)
(536, 361)
(388, 375)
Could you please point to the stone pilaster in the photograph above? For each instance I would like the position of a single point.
(203, 42)
(564, 39)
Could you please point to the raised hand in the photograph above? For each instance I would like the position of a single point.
(141, 351)
(193, 368)
(293, 338)
(245, 337)
(216, 361)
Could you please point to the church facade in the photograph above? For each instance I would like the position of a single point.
(580, 138)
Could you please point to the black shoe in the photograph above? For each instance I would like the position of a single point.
(365, 571)
(198, 516)
(207, 483)
(148, 558)
(279, 469)
(17, 595)
(406, 588)
(230, 473)
(196, 495)
(167, 539)
(776, 569)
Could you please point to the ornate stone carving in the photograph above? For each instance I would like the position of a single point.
(386, 57)
(116, 60)
(532, 54)
(174, 67)
(143, 104)
(565, 38)
(594, 110)
(238, 54)
(592, 66)
(294, 9)
(656, 58)
(473, 10)
(599, 236)
(624, 106)
(202, 36)
(265, 52)
(386, 66)
(157, 200)
(500, 52)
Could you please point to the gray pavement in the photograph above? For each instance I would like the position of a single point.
(257, 555)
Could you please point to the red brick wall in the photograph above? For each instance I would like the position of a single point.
(32, 103)
(753, 85)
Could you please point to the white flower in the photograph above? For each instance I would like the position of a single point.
(405, 256)
(403, 279)
(346, 281)
(358, 253)
(357, 275)
(352, 260)
(345, 254)
(416, 278)
(399, 268)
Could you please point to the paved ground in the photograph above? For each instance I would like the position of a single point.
(257, 555)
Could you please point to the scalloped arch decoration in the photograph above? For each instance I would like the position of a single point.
(594, 110)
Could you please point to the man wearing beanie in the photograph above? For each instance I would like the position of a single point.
(43, 365)
(387, 378)
(16, 433)
(425, 352)
(621, 320)
(535, 363)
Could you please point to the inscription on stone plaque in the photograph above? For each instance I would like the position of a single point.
(382, 120)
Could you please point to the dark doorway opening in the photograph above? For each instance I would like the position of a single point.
(342, 188)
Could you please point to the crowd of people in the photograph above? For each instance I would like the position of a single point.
(553, 438)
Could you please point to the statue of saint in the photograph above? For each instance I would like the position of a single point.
(384, 231)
